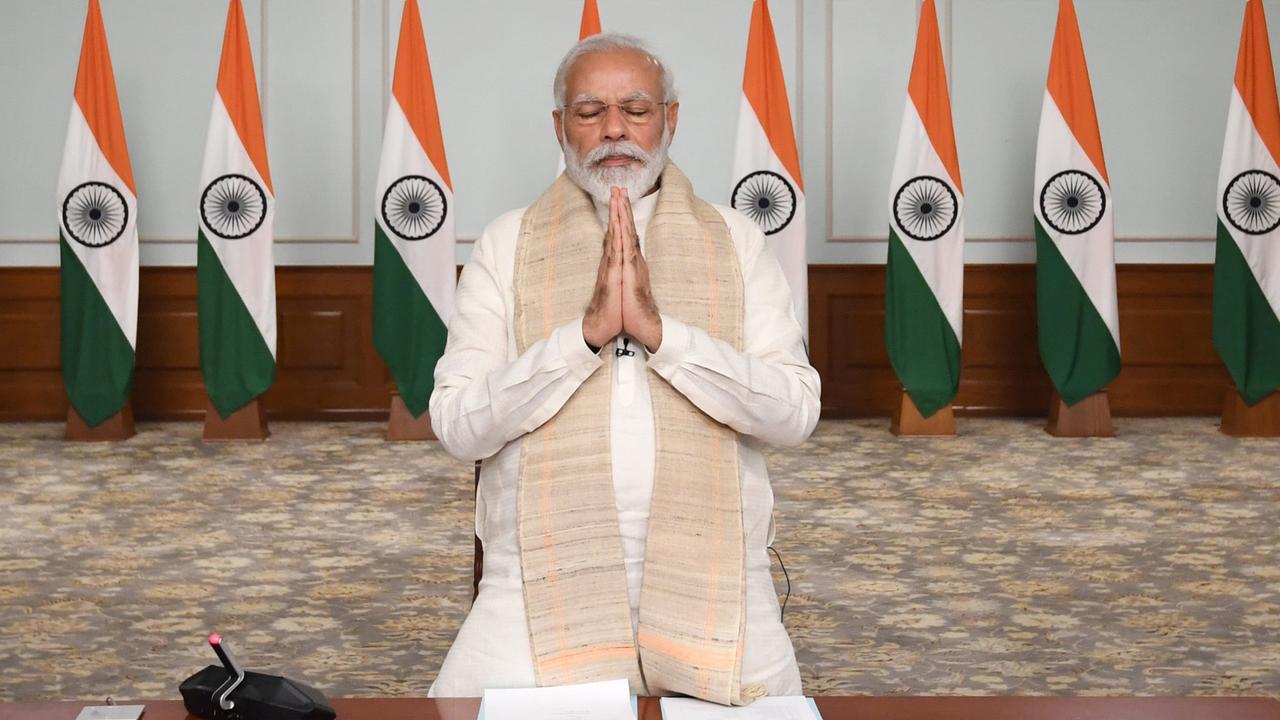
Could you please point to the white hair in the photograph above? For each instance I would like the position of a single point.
(606, 42)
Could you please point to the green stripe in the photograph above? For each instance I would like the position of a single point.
(922, 345)
(407, 330)
(1246, 331)
(1076, 346)
(97, 359)
(234, 358)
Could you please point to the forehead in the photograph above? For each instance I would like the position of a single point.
(613, 74)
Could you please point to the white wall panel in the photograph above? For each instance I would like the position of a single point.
(1001, 76)
(310, 71)
(39, 48)
(1161, 72)
(494, 62)
(872, 43)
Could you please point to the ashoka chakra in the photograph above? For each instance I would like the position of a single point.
(925, 207)
(1072, 202)
(414, 207)
(94, 214)
(233, 206)
(767, 198)
(1252, 202)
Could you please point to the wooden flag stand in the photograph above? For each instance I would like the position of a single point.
(247, 423)
(1090, 417)
(907, 420)
(402, 426)
(1241, 420)
(116, 427)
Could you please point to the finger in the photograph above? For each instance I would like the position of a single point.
(611, 229)
(616, 219)
(629, 221)
(630, 237)
(614, 214)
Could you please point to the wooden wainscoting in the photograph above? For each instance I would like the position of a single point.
(1170, 367)
(328, 368)
(326, 365)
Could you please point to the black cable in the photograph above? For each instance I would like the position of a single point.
(783, 613)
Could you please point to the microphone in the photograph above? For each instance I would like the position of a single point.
(230, 692)
(235, 672)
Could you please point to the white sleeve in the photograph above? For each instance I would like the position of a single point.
(768, 390)
(482, 400)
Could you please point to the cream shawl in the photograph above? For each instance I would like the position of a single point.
(692, 600)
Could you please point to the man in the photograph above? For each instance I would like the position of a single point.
(617, 355)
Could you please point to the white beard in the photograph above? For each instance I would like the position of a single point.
(598, 181)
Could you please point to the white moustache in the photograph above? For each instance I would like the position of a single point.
(608, 150)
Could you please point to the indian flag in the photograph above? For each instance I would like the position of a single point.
(924, 284)
(766, 165)
(1246, 273)
(589, 25)
(98, 236)
(413, 248)
(1079, 322)
(234, 267)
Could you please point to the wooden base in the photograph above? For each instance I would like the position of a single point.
(116, 427)
(907, 420)
(402, 426)
(1090, 417)
(247, 423)
(1241, 420)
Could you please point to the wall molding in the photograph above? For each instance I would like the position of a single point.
(830, 100)
(351, 238)
(945, 21)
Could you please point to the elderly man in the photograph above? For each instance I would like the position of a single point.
(618, 352)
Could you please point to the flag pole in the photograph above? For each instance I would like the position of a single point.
(116, 427)
(1246, 317)
(1239, 419)
(1090, 417)
(402, 426)
(247, 423)
(908, 422)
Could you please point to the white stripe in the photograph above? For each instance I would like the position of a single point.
(753, 152)
(247, 261)
(940, 261)
(1090, 254)
(431, 260)
(113, 268)
(1244, 150)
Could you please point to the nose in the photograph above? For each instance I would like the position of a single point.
(615, 124)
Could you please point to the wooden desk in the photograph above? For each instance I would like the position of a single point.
(832, 708)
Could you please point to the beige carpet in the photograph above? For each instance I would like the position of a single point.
(1002, 561)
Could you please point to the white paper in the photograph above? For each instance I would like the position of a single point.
(795, 707)
(607, 700)
(110, 712)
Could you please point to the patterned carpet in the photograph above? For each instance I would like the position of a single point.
(999, 562)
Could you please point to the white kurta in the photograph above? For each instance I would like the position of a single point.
(487, 398)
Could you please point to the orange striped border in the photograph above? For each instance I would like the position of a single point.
(697, 655)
